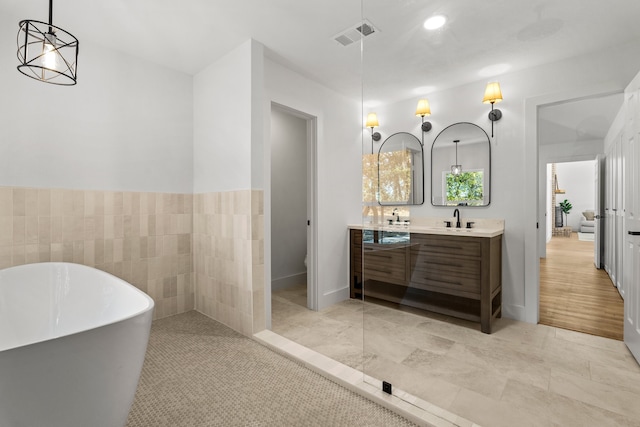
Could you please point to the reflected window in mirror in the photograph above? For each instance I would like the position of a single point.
(396, 176)
(465, 188)
(400, 173)
(372, 212)
(467, 147)
(370, 179)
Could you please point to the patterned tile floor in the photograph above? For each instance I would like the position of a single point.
(522, 374)
(198, 372)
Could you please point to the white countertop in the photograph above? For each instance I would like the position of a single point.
(481, 227)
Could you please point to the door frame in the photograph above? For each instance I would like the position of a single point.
(598, 253)
(531, 212)
(312, 209)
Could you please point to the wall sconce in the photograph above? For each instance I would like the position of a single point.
(423, 109)
(46, 52)
(372, 122)
(492, 94)
(456, 169)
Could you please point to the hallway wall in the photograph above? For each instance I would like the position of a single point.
(577, 180)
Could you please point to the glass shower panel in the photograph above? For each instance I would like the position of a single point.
(384, 243)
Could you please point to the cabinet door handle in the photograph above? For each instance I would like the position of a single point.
(634, 233)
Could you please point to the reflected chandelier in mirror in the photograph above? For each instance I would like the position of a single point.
(461, 166)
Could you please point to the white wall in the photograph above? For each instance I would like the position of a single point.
(222, 144)
(511, 197)
(616, 127)
(577, 179)
(338, 159)
(288, 194)
(126, 125)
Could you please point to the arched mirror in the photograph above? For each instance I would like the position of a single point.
(401, 170)
(461, 166)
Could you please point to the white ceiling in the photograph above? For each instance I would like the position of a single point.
(400, 60)
(578, 121)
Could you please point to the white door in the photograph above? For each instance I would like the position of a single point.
(620, 212)
(598, 231)
(631, 237)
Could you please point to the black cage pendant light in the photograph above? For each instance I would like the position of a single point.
(46, 52)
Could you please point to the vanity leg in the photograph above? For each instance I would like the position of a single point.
(485, 321)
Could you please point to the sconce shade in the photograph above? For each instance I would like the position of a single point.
(46, 52)
(423, 108)
(372, 120)
(492, 93)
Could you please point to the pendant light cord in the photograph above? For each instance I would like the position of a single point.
(50, 16)
(456, 153)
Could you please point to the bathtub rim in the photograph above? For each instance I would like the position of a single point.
(149, 307)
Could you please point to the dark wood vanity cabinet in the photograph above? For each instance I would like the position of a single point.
(386, 263)
(355, 263)
(454, 275)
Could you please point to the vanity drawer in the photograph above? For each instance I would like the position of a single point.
(387, 265)
(462, 267)
(437, 244)
(445, 271)
(456, 284)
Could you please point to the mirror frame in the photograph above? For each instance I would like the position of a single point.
(422, 158)
(487, 178)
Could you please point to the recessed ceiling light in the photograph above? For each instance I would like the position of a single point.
(372, 103)
(435, 22)
(423, 90)
(494, 70)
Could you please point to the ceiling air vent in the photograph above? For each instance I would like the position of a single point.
(353, 34)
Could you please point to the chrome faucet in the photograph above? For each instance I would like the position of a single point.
(396, 214)
(456, 214)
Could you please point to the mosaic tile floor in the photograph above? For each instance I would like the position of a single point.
(521, 375)
(198, 372)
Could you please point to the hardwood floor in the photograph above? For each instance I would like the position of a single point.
(574, 294)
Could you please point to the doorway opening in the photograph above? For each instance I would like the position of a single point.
(292, 208)
(574, 292)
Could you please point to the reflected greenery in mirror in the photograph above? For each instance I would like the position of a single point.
(472, 185)
(400, 163)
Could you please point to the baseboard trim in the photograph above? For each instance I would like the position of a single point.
(289, 281)
(515, 312)
(333, 297)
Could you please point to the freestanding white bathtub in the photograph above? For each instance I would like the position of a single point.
(72, 344)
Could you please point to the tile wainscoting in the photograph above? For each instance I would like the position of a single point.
(143, 238)
(203, 251)
(229, 258)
